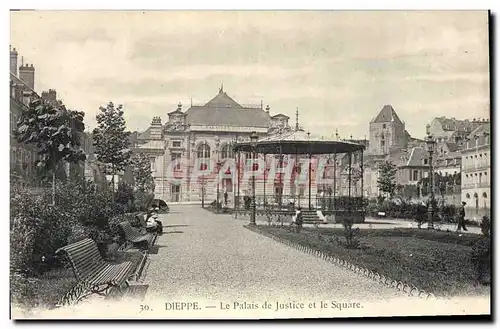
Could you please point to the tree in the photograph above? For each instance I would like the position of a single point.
(111, 141)
(387, 177)
(56, 132)
(143, 176)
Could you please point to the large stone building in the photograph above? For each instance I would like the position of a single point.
(194, 144)
(476, 173)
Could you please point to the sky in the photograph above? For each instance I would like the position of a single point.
(339, 68)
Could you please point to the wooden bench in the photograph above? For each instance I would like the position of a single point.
(92, 271)
(136, 236)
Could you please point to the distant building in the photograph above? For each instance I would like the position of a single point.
(476, 173)
(451, 130)
(387, 132)
(390, 141)
(448, 158)
(195, 140)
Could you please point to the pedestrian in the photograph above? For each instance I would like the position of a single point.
(461, 217)
(152, 222)
(298, 220)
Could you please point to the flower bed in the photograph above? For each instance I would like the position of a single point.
(435, 261)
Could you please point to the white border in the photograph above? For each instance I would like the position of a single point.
(186, 4)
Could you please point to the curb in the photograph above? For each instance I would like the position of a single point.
(385, 280)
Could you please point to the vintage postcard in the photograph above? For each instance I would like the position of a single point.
(249, 164)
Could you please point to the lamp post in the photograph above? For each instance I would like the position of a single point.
(430, 148)
(253, 142)
(218, 178)
(203, 191)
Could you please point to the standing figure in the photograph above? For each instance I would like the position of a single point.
(298, 220)
(461, 217)
(225, 197)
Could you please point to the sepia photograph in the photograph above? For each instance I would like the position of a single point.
(263, 164)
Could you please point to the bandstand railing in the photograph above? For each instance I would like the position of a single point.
(339, 203)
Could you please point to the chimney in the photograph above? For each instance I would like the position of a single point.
(13, 61)
(50, 96)
(268, 109)
(155, 129)
(27, 74)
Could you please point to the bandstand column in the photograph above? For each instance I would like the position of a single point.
(265, 169)
(310, 157)
(362, 177)
(237, 202)
(280, 161)
(334, 178)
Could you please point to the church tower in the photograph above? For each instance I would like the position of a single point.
(387, 132)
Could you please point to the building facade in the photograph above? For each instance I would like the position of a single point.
(24, 157)
(452, 130)
(476, 173)
(189, 150)
(387, 132)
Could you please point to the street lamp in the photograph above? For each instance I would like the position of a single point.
(253, 142)
(431, 143)
(218, 178)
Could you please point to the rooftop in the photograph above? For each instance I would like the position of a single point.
(387, 114)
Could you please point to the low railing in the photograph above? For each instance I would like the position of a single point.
(292, 202)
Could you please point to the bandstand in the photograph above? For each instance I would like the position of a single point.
(333, 203)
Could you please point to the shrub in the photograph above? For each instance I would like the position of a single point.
(142, 200)
(125, 196)
(350, 233)
(420, 214)
(486, 226)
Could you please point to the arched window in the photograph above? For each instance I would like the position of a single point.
(485, 195)
(467, 196)
(203, 151)
(475, 195)
(227, 152)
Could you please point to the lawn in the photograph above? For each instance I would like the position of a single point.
(435, 261)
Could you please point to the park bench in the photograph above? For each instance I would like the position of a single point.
(136, 236)
(92, 271)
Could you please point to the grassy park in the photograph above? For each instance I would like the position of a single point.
(435, 261)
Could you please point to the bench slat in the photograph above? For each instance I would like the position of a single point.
(89, 265)
(132, 234)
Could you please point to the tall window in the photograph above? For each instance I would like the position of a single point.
(227, 152)
(176, 157)
(204, 151)
(415, 175)
(227, 183)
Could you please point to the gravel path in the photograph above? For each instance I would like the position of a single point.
(203, 256)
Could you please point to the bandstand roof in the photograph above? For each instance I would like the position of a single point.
(299, 142)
